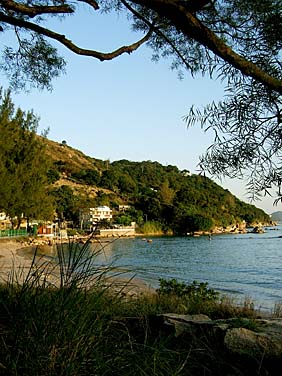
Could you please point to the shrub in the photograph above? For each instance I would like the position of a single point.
(73, 232)
(53, 175)
(151, 227)
(194, 291)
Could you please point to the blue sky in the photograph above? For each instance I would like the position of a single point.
(129, 108)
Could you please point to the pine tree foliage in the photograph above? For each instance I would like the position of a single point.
(23, 164)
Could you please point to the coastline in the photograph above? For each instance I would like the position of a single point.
(15, 263)
(11, 262)
(15, 266)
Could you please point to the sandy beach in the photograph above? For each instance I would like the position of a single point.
(10, 260)
(13, 262)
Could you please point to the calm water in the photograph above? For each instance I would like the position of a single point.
(247, 265)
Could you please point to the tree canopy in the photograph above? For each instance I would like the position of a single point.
(23, 165)
(236, 41)
(164, 194)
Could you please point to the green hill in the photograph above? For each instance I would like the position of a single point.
(174, 199)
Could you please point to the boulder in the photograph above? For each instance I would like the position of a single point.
(187, 324)
(266, 341)
(235, 335)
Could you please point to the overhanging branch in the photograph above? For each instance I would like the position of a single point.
(69, 44)
(186, 21)
(182, 14)
(33, 11)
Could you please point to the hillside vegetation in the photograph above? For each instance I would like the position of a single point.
(174, 200)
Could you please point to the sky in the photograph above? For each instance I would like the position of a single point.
(129, 108)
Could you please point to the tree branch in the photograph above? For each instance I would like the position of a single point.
(157, 31)
(194, 5)
(33, 11)
(180, 13)
(69, 44)
(190, 26)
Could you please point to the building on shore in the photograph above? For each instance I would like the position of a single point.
(90, 217)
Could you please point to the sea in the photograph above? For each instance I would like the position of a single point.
(246, 267)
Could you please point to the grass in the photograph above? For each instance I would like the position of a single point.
(74, 319)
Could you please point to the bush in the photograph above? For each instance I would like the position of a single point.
(89, 177)
(194, 291)
(73, 232)
(124, 220)
(53, 175)
(151, 227)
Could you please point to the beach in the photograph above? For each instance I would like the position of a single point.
(10, 260)
(13, 263)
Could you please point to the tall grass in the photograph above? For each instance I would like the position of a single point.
(73, 319)
(52, 321)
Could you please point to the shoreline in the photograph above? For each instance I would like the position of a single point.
(15, 266)
(15, 263)
(9, 253)
(11, 262)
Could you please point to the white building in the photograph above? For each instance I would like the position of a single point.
(91, 216)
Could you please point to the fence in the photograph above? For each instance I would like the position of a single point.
(12, 233)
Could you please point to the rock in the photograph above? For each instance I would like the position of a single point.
(187, 324)
(265, 340)
(258, 230)
(244, 341)
(186, 318)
